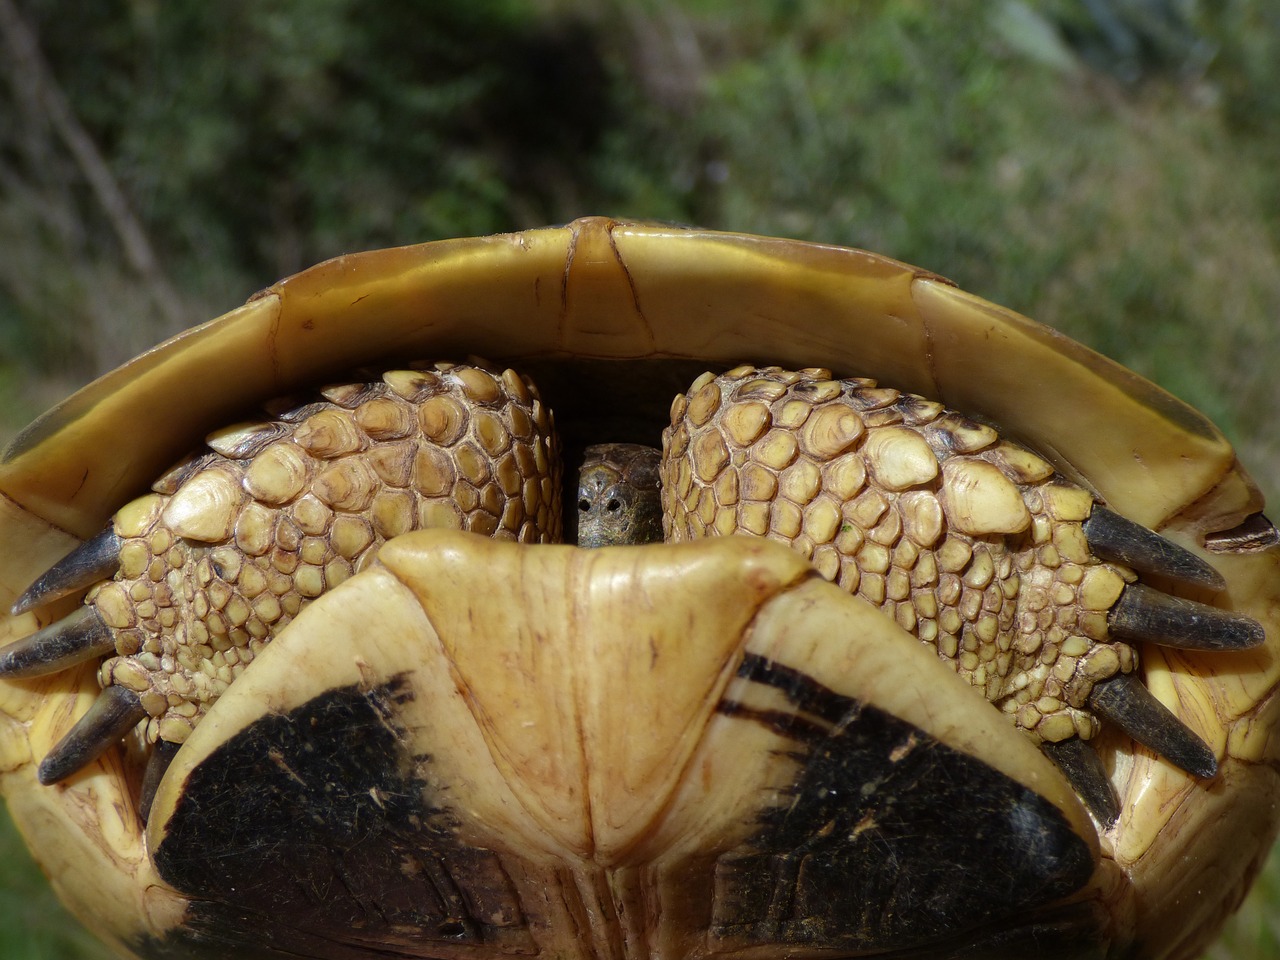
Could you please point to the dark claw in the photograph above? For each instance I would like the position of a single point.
(1084, 769)
(1255, 534)
(116, 711)
(162, 755)
(1146, 614)
(1124, 701)
(93, 560)
(1114, 537)
(77, 637)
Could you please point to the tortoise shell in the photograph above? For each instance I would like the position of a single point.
(473, 748)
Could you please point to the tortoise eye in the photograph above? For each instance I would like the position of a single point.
(944, 566)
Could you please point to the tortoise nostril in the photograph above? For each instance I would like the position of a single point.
(584, 505)
(613, 506)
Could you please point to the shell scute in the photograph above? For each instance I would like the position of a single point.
(631, 293)
(738, 703)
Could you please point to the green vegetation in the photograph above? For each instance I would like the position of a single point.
(36, 926)
(1104, 166)
(1107, 166)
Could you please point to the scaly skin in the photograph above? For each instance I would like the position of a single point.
(243, 538)
(969, 542)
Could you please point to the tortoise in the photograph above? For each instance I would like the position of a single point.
(913, 674)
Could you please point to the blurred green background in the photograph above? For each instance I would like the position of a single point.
(1106, 166)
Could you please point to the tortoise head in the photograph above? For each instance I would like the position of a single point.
(733, 746)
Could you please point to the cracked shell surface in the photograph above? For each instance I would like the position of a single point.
(591, 296)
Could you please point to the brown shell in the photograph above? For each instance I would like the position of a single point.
(572, 305)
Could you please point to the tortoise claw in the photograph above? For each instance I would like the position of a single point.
(1118, 538)
(1146, 614)
(77, 637)
(162, 754)
(93, 560)
(1125, 702)
(116, 711)
(1083, 767)
(1254, 534)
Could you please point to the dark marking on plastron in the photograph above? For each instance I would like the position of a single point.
(888, 839)
(798, 687)
(316, 834)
